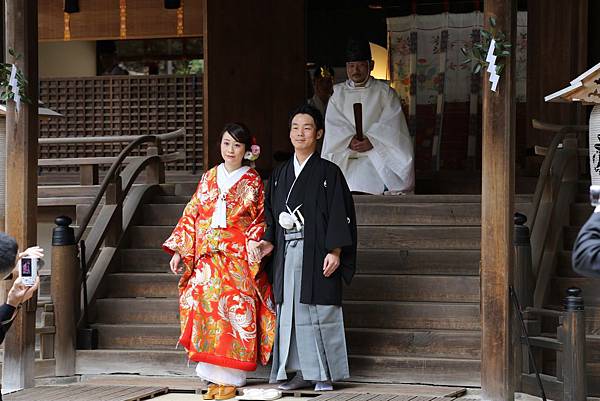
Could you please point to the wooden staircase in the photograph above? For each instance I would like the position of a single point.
(565, 277)
(412, 311)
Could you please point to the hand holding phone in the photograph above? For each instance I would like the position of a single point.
(28, 268)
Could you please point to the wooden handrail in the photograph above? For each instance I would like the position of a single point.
(573, 129)
(107, 139)
(157, 139)
(557, 185)
(544, 176)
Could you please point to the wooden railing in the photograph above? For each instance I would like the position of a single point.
(122, 200)
(568, 382)
(536, 248)
(554, 193)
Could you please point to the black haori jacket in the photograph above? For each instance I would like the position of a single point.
(329, 223)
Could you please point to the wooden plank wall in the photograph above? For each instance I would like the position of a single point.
(557, 35)
(123, 105)
(101, 20)
(254, 71)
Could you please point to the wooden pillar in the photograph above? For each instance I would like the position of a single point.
(498, 167)
(65, 289)
(21, 184)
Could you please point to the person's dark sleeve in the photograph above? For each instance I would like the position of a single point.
(270, 234)
(6, 313)
(586, 251)
(341, 224)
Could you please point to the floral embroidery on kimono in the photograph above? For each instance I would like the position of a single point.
(225, 303)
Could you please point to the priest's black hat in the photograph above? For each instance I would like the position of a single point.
(358, 50)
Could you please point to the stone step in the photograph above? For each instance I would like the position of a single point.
(369, 261)
(410, 288)
(398, 237)
(357, 314)
(441, 371)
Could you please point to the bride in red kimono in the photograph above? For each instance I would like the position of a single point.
(225, 300)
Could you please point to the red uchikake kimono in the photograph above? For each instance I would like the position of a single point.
(225, 304)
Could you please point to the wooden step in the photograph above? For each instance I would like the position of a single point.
(592, 348)
(367, 213)
(569, 236)
(438, 371)
(363, 288)
(580, 213)
(407, 343)
(357, 314)
(429, 261)
(155, 362)
(413, 288)
(399, 237)
(53, 191)
(369, 261)
(441, 371)
(592, 320)
(144, 261)
(564, 266)
(432, 198)
(411, 315)
(185, 188)
(170, 199)
(147, 363)
(138, 336)
(375, 342)
(142, 285)
(137, 311)
(415, 237)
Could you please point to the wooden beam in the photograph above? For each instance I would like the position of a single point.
(21, 183)
(498, 167)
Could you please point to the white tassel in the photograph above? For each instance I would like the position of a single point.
(219, 218)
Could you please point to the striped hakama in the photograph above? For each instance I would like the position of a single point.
(309, 338)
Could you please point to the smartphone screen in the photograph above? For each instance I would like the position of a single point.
(26, 267)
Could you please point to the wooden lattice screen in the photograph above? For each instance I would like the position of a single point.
(123, 105)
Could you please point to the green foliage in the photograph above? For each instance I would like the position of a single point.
(6, 90)
(478, 52)
(191, 67)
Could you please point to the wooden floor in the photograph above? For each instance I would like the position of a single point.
(193, 384)
(85, 392)
(378, 397)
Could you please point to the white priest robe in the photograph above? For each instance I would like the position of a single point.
(390, 164)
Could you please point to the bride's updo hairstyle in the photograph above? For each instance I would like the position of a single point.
(240, 133)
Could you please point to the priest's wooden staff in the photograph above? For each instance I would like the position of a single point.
(358, 120)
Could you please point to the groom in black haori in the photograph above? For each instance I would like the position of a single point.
(311, 228)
